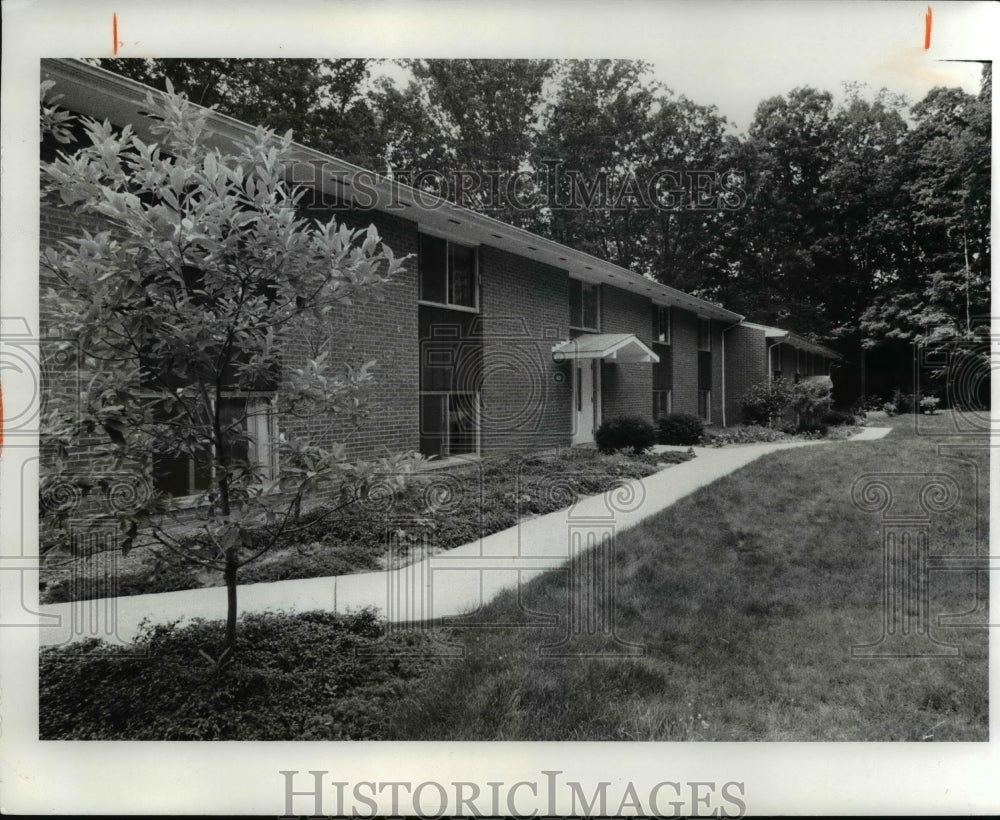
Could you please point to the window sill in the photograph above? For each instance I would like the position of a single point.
(463, 308)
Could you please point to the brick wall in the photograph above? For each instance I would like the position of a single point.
(626, 389)
(746, 365)
(386, 331)
(685, 350)
(526, 398)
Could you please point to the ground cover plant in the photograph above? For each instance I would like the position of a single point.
(314, 676)
(444, 509)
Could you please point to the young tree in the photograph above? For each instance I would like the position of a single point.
(179, 312)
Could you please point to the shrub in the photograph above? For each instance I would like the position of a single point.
(872, 403)
(905, 402)
(890, 408)
(745, 434)
(837, 418)
(681, 428)
(929, 404)
(625, 433)
(811, 400)
(765, 402)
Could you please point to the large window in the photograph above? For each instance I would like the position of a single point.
(705, 404)
(449, 424)
(662, 403)
(248, 423)
(583, 305)
(451, 372)
(448, 274)
(661, 324)
(704, 334)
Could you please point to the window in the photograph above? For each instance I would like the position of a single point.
(449, 424)
(249, 422)
(583, 305)
(705, 404)
(448, 273)
(662, 401)
(704, 334)
(661, 332)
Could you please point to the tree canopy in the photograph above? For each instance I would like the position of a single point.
(855, 223)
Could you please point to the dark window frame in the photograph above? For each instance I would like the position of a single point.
(448, 285)
(577, 287)
(705, 336)
(262, 454)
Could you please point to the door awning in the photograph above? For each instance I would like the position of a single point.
(616, 347)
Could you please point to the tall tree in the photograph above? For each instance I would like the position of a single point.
(325, 102)
(944, 285)
(469, 124)
(596, 139)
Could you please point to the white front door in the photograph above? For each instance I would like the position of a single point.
(586, 412)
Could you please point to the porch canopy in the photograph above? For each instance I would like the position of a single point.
(616, 347)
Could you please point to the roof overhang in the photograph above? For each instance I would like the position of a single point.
(616, 347)
(780, 336)
(101, 94)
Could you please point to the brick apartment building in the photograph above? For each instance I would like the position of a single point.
(493, 338)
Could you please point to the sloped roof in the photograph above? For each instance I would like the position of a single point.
(794, 340)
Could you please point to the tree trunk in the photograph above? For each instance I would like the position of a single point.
(229, 645)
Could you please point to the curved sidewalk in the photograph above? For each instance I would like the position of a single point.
(451, 583)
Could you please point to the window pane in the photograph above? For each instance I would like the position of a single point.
(463, 275)
(462, 418)
(433, 253)
(232, 415)
(172, 476)
(433, 424)
(177, 470)
(705, 404)
(589, 294)
(575, 303)
(663, 325)
(704, 334)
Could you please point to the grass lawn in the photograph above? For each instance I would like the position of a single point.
(746, 597)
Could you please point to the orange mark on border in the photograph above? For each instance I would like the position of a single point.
(114, 33)
(927, 29)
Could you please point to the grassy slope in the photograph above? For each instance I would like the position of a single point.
(747, 598)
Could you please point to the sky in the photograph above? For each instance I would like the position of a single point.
(733, 55)
(750, 57)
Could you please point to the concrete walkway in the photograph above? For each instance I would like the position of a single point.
(454, 582)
